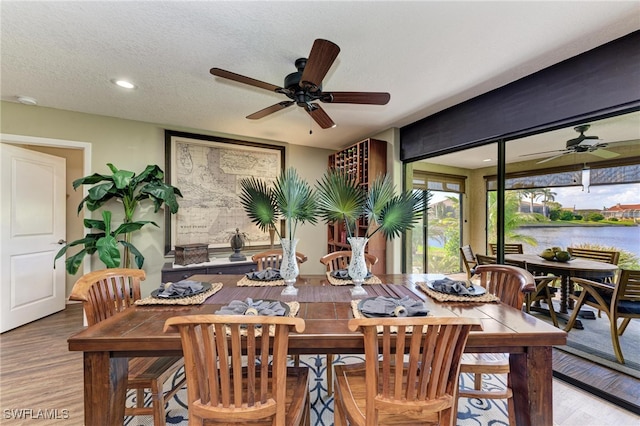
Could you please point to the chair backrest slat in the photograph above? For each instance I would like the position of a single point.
(509, 248)
(598, 255)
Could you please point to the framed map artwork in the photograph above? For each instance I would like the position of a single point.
(208, 171)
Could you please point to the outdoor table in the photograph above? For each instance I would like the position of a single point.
(326, 309)
(578, 267)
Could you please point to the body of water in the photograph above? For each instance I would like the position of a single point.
(622, 237)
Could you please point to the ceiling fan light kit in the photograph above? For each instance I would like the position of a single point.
(304, 87)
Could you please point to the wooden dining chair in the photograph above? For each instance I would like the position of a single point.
(511, 248)
(237, 372)
(273, 259)
(620, 302)
(103, 294)
(468, 260)
(391, 388)
(340, 260)
(510, 284)
(333, 262)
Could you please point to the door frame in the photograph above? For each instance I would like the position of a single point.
(58, 143)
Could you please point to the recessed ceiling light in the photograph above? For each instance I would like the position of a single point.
(124, 83)
(27, 100)
(487, 160)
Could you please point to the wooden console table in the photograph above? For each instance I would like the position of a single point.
(173, 273)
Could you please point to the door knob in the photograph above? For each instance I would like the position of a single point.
(61, 241)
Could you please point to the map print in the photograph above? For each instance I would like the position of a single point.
(209, 176)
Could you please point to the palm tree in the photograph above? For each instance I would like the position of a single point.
(547, 195)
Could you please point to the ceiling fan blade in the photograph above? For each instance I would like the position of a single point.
(552, 158)
(371, 98)
(564, 151)
(270, 110)
(322, 55)
(603, 153)
(320, 116)
(242, 79)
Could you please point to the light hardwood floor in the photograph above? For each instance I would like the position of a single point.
(37, 372)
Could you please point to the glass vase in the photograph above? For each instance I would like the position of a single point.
(357, 265)
(289, 266)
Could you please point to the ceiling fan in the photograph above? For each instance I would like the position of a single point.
(582, 143)
(304, 87)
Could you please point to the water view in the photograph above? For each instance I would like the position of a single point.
(622, 237)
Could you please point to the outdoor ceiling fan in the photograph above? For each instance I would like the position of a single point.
(581, 144)
(304, 87)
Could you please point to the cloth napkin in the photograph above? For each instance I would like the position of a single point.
(343, 274)
(180, 288)
(393, 307)
(450, 286)
(251, 307)
(265, 275)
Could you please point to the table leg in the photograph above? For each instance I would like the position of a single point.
(531, 379)
(105, 388)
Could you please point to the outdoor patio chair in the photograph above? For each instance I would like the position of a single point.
(469, 260)
(508, 249)
(605, 256)
(485, 260)
(236, 368)
(103, 294)
(425, 349)
(509, 283)
(621, 301)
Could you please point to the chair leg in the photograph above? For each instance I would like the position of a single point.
(157, 403)
(477, 381)
(511, 411)
(139, 398)
(623, 326)
(329, 374)
(615, 340)
(576, 311)
(552, 312)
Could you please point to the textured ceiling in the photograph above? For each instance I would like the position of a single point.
(428, 55)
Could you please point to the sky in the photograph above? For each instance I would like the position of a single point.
(598, 196)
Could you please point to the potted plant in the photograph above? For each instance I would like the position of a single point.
(291, 199)
(131, 190)
(340, 197)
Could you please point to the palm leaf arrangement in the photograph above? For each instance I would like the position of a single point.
(290, 198)
(340, 197)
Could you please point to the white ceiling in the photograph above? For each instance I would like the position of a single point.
(428, 55)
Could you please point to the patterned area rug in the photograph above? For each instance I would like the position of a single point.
(471, 412)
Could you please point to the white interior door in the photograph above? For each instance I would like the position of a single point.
(32, 213)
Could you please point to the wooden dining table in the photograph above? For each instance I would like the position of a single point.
(326, 309)
(577, 267)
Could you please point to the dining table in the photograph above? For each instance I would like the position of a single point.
(326, 309)
(576, 267)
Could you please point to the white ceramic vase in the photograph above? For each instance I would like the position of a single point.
(357, 265)
(289, 267)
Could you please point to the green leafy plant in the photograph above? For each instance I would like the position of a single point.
(289, 198)
(340, 197)
(130, 189)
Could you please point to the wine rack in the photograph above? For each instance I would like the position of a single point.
(364, 161)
